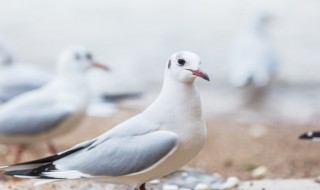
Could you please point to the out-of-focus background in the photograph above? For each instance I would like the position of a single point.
(135, 38)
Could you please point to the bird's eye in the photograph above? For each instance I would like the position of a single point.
(88, 56)
(181, 62)
(77, 56)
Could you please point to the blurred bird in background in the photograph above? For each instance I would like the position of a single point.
(104, 102)
(53, 109)
(253, 59)
(311, 135)
(17, 78)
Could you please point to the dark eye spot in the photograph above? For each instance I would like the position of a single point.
(88, 56)
(181, 62)
(169, 64)
(77, 56)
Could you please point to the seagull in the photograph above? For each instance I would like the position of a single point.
(108, 93)
(152, 144)
(311, 135)
(253, 59)
(53, 109)
(17, 78)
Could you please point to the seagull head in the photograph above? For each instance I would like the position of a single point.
(184, 66)
(78, 59)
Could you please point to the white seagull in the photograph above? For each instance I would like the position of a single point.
(253, 59)
(311, 135)
(17, 78)
(157, 142)
(52, 110)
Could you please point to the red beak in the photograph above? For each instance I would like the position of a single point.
(100, 66)
(200, 73)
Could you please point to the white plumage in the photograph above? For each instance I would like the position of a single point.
(52, 110)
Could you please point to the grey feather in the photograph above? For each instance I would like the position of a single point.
(34, 117)
(18, 79)
(137, 152)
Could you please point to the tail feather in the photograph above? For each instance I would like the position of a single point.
(38, 163)
(32, 173)
(44, 169)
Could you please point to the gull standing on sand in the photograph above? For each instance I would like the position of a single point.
(52, 110)
(253, 59)
(157, 142)
(17, 78)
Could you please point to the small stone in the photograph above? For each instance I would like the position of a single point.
(201, 186)
(184, 174)
(257, 131)
(191, 180)
(217, 175)
(184, 188)
(169, 187)
(231, 182)
(259, 173)
(154, 182)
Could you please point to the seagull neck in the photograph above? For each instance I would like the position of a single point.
(71, 81)
(176, 91)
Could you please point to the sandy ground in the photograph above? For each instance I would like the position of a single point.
(239, 139)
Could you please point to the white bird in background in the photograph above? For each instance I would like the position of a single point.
(253, 59)
(157, 142)
(311, 135)
(108, 92)
(17, 78)
(52, 110)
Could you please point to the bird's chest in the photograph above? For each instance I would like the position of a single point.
(189, 125)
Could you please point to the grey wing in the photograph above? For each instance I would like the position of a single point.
(118, 156)
(17, 80)
(9, 92)
(30, 119)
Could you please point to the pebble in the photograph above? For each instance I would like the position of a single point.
(185, 189)
(259, 172)
(154, 182)
(170, 187)
(201, 186)
(231, 182)
(257, 131)
(184, 174)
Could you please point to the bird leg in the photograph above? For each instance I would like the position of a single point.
(142, 187)
(18, 152)
(52, 149)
